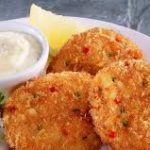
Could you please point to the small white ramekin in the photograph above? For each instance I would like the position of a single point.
(37, 68)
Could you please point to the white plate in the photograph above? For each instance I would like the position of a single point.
(143, 41)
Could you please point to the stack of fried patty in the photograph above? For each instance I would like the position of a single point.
(96, 91)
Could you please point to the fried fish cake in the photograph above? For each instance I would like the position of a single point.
(92, 50)
(51, 113)
(120, 101)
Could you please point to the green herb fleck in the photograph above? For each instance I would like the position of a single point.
(110, 54)
(114, 79)
(67, 62)
(99, 89)
(144, 83)
(1, 98)
(122, 109)
(1, 111)
(84, 137)
(35, 95)
(125, 46)
(77, 94)
(2, 136)
(76, 110)
(39, 127)
(125, 123)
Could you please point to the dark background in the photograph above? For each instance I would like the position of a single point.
(132, 13)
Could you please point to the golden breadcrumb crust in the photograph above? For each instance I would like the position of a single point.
(51, 113)
(92, 50)
(120, 101)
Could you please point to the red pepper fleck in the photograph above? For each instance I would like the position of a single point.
(114, 47)
(97, 95)
(53, 89)
(97, 92)
(85, 50)
(12, 109)
(111, 134)
(126, 63)
(117, 100)
(118, 38)
(64, 131)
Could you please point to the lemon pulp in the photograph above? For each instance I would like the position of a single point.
(58, 29)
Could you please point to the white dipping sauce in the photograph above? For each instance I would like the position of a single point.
(18, 51)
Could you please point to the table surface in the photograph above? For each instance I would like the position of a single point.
(130, 13)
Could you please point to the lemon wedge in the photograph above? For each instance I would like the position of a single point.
(58, 29)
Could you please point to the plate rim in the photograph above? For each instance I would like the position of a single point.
(24, 20)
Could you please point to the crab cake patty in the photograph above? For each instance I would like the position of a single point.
(120, 101)
(51, 113)
(92, 50)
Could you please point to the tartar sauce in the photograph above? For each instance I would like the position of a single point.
(18, 51)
